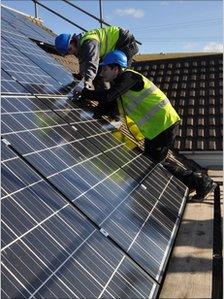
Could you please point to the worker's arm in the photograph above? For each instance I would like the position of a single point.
(124, 82)
(89, 60)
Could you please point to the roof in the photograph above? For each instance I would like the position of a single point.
(84, 212)
(163, 55)
(193, 82)
(194, 86)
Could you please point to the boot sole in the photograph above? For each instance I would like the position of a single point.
(214, 185)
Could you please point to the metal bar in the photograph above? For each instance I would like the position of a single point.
(64, 18)
(91, 15)
(101, 13)
(217, 262)
(87, 13)
(36, 9)
(59, 15)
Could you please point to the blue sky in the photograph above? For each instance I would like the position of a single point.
(161, 26)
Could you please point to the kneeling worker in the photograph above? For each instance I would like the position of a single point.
(152, 112)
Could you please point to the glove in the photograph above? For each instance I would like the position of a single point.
(79, 87)
(88, 85)
(77, 76)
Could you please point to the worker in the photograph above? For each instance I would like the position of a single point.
(152, 112)
(93, 45)
(90, 48)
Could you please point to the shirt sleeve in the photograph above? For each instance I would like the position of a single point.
(89, 60)
(127, 80)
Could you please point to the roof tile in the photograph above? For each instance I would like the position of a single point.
(200, 145)
(190, 121)
(202, 84)
(201, 111)
(212, 132)
(212, 145)
(201, 132)
(211, 111)
(201, 121)
(192, 93)
(188, 144)
(202, 76)
(190, 132)
(191, 111)
(202, 92)
(201, 101)
(212, 121)
(191, 102)
(211, 101)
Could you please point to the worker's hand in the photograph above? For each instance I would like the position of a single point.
(76, 96)
(88, 85)
(77, 76)
(78, 89)
(84, 94)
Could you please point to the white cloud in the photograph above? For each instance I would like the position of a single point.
(213, 47)
(131, 11)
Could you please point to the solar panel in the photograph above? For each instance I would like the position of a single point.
(23, 25)
(50, 250)
(85, 213)
(94, 176)
(44, 60)
(28, 74)
(145, 223)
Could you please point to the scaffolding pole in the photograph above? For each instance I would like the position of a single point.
(36, 10)
(101, 13)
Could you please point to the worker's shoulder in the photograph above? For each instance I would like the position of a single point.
(132, 73)
(90, 42)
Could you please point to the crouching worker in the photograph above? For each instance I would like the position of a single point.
(151, 110)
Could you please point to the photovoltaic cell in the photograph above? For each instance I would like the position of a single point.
(51, 250)
(8, 27)
(94, 177)
(44, 60)
(10, 85)
(28, 74)
(23, 25)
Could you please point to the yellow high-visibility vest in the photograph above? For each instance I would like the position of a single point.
(149, 108)
(107, 38)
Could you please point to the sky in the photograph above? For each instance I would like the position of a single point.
(161, 26)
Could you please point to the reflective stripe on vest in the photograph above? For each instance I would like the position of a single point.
(153, 111)
(136, 99)
(149, 109)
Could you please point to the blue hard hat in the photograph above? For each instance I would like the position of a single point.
(117, 57)
(62, 42)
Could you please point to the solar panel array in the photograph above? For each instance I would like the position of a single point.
(20, 24)
(84, 212)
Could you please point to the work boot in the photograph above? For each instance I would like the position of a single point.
(114, 117)
(204, 187)
(97, 113)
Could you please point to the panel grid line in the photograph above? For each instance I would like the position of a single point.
(81, 213)
(15, 277)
